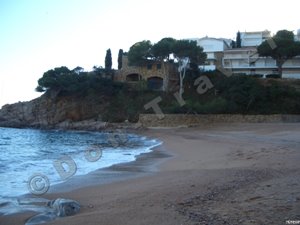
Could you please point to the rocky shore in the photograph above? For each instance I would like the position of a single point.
(52, 112)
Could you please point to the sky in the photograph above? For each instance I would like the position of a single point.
(39, 35)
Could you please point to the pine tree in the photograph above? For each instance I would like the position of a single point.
(281, 48)
(120, 56)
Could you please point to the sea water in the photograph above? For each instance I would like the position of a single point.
(26, 152)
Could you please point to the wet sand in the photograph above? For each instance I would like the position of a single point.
(220, 174)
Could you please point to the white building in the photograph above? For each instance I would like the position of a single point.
(247, 61)
(250, 39)
(214, 48)
(297, 36)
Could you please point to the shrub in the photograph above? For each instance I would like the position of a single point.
(256, 75)
(216, 105)
(273, 76)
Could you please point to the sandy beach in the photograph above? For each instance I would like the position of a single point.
(218, 174)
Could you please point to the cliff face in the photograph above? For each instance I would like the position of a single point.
(50, 111)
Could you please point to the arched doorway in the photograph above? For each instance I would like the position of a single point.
(133, 77)
(155, 83)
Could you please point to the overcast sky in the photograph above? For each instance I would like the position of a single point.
(38, 35)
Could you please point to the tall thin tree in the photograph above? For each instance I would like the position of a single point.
(120, 56)
(238, 40)
(108, 60)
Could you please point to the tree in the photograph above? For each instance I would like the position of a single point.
(78, 70)
(233, 44)
(281, 47)
(238, 40)
(99, 70)
(139, 53)
(163, 49)
(108, 60)
(53, 79)
(120, 56)
(185, 53)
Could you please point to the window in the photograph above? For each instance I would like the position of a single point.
(149, 66)
(133, 77)
(226, 62)
(155, 83)
(158, 66)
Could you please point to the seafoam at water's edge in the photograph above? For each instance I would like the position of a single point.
(25, 152)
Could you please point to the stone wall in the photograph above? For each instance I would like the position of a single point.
(175, 120)
(166, 71)
(142, 70)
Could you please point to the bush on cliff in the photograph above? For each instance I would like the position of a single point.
(70, 82)
(235, 94)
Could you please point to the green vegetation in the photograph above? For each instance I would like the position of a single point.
(185, 53)
(108, 60)
(139, 52)
(163, 49)
(120, 55)
(242, 94)
(233, 44)
(235, 94)
(281, 48)
(72, 82)
(238, 43)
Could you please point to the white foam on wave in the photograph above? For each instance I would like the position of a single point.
(35, 152)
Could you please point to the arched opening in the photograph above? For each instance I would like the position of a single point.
(133, 77)
(155, 83)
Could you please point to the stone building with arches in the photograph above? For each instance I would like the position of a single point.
(161, 76)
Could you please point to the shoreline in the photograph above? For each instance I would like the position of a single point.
(144, 164)
(237, 173)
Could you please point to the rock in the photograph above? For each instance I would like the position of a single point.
(41, 218)
(55, 111)
(55, 209)
(64, 207)
(51, 111)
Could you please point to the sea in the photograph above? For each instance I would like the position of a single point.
(32, 159)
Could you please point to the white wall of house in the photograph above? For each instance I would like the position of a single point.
(210, 55)
(211, 46)
(246, 60)
(254, 38)
(207, 67)
(297, 36)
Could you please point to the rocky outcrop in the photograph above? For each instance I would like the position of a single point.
(55, 209)
(50, 111)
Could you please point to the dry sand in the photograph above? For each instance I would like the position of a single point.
(222, 174)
